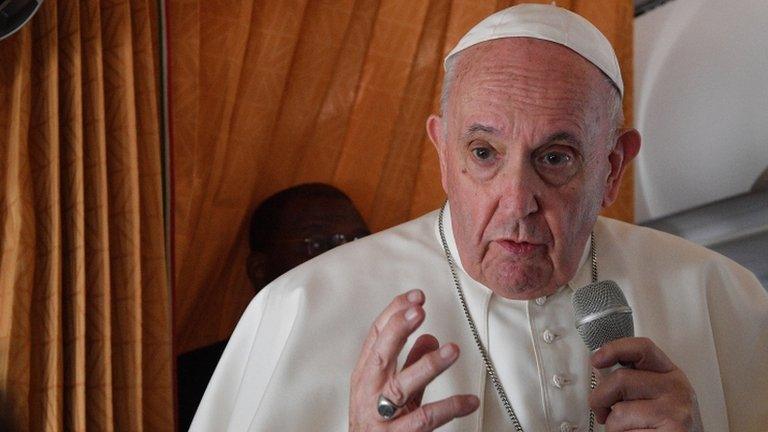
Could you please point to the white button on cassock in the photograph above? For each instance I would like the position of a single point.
(548, 336)
(566, 427)
(559, 381)
(541, 300)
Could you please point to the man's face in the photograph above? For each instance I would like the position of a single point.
(524, 153)
(309, 226)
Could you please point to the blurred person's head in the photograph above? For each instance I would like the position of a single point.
(297, 224)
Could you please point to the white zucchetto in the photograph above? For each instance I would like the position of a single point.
(549, 23)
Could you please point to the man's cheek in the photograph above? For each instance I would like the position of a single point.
(575, 205)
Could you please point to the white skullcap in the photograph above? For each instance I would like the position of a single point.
(549, 23)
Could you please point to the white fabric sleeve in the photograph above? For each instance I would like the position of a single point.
(739, 315)
(218, 403)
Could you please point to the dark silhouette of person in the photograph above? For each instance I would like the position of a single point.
(287, 229)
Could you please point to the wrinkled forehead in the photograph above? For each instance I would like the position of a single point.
(521, 73)
(533, 63)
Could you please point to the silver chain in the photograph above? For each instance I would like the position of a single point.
(491, 370)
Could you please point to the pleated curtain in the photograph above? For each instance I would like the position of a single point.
(85, 318)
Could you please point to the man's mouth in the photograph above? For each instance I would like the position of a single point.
(519, 248)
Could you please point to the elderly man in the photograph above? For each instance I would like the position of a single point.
(530, 150)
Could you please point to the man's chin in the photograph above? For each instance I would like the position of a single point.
(524, 293)
(525, 285)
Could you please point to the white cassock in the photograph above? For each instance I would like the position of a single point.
(287, 366)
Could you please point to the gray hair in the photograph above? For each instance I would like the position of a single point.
(615, 112)
(614, 100)
(448, 79)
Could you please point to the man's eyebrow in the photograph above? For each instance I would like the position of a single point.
(563, 136)
(474, 128)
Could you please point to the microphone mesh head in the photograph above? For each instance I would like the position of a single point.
(600, 304)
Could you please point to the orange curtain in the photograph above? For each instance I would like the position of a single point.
(85, 327)
(268, 94)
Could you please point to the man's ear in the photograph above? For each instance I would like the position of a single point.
(256, 267)
(436, 133)
(626, 148)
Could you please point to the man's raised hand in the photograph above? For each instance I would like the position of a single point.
(377, 374)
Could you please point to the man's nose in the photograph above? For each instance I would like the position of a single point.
(519, 193)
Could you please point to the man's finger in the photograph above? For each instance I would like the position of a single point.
(625, 385)
(398, 304)
(634, 415)
(433, 415)
(391, 340)
(424, 344)
(415, 378)
(640, 352)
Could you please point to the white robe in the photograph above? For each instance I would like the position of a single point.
(287, 366)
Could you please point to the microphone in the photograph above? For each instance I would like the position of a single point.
(602, 315)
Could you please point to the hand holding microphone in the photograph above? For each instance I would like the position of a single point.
(653, 393)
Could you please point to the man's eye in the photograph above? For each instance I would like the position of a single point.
(557, 167)
(555, 158)
(482, 153)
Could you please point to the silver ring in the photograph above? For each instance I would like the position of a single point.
(387, 409)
